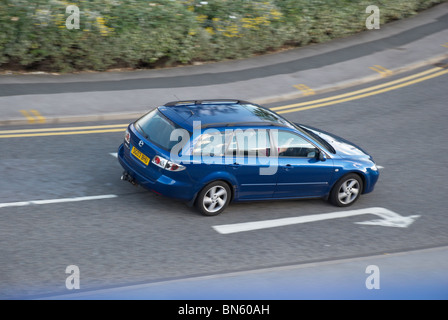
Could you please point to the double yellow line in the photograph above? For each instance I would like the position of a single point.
(381, 70)
(363, 93)
(33, 116)
(349, 96)
(307, 91)
(45, 132)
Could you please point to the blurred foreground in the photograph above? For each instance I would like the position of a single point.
(49, 35)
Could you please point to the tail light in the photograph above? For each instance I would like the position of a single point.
(127, 137)
(166, 164)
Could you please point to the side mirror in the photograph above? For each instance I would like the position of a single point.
(322, 156)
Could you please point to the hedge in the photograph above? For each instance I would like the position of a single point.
(148, 34)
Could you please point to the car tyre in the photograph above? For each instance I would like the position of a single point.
(213, 198)
(347, 190)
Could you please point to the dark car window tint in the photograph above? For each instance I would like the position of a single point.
(292, 145)
(157, 129)
(210, 143)
(250, 142)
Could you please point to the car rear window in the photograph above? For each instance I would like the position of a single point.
(157, 128)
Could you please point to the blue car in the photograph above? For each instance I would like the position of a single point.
(209, 153)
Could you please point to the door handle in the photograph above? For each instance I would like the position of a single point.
(235, 165)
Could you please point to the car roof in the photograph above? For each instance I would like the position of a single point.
(217, 113)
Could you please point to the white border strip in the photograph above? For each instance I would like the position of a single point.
(50, 201)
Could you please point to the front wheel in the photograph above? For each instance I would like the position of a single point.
(347, 190)
(214, 198)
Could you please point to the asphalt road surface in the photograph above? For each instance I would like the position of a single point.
(133, 236)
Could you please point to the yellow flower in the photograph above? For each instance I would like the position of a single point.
(276, 14)
(101, 23)
(201, 18)
(231, 31)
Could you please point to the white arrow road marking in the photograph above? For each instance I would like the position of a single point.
(27, 203)
(114, 154)
(388, 219)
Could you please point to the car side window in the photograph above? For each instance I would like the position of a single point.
(232, 149)
(290, 144)
(210, 143)
(250, 142)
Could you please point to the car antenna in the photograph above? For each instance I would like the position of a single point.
(191, 111)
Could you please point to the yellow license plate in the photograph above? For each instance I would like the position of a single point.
(140, 156)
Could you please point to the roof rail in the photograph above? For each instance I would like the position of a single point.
(240, 123)
(207, 101)
(180, 103)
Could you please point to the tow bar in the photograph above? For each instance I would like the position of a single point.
(127, 177)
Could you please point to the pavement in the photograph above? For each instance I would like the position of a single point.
(394, 48)
(413, 275)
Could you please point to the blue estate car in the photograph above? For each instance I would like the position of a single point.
(211, 152)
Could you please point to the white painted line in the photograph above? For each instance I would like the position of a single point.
(114, 154)
(380, 167)
(50, 201)
(14, 204)
(387, 219)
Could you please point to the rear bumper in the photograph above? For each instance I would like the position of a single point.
(163, 185)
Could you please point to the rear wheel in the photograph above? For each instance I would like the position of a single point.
(347, 190)
(214, 198)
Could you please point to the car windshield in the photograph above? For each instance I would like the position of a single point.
(155, 127)
(318, 138)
